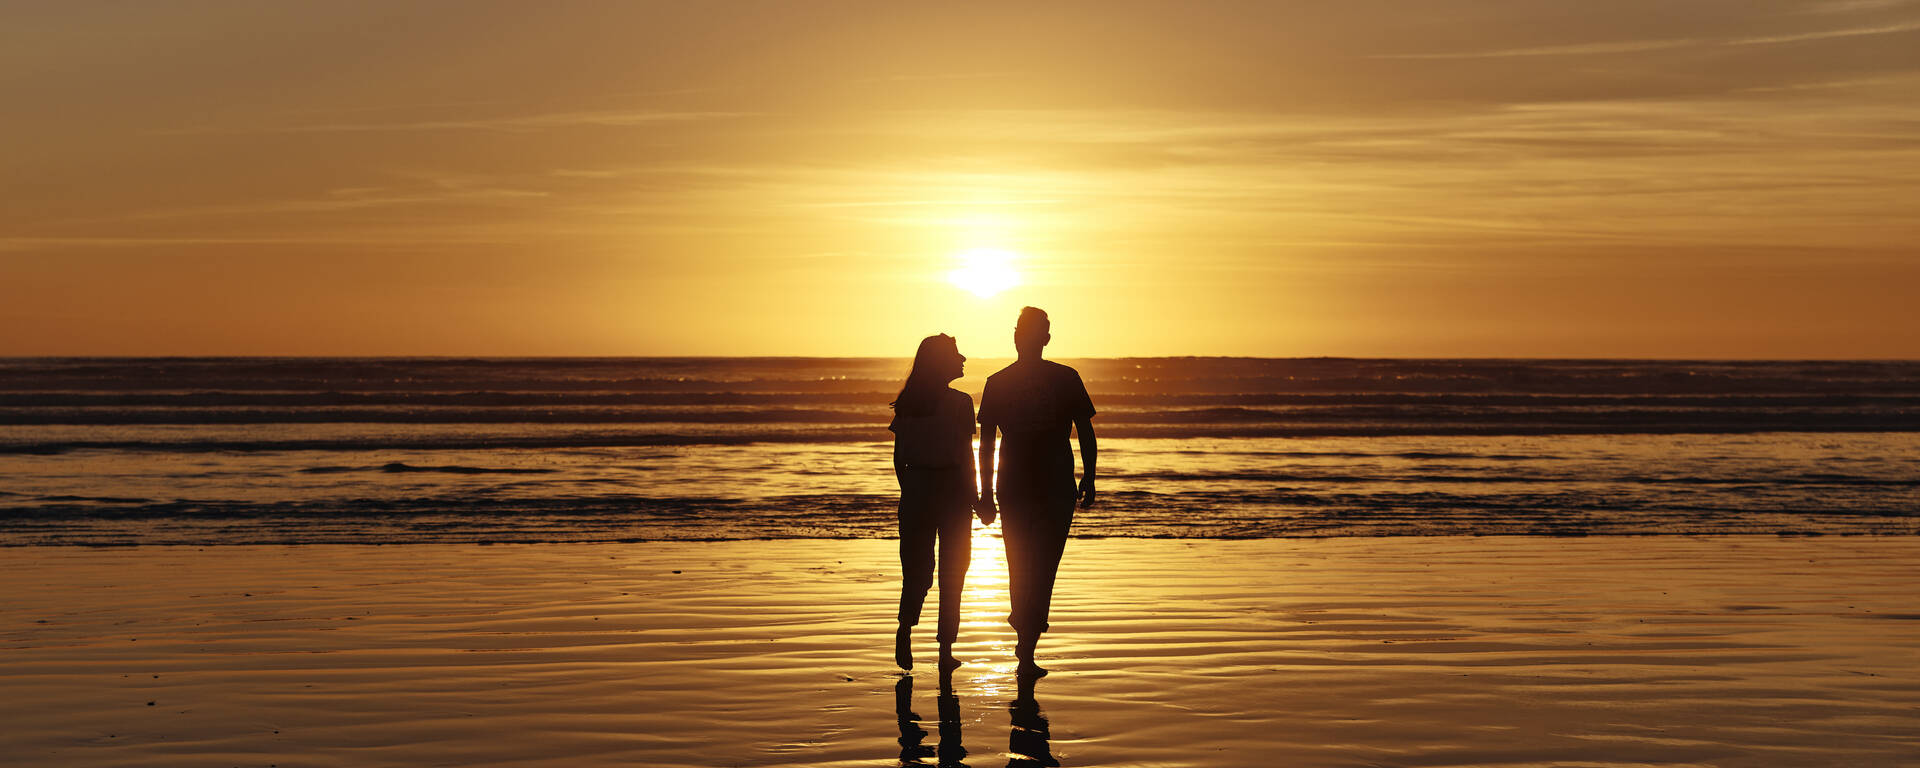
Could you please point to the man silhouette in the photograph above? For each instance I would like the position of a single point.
(1034, 403)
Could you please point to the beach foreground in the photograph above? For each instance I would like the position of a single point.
(1405, 651)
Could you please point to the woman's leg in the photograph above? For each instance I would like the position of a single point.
(917, 530)
(956, 553)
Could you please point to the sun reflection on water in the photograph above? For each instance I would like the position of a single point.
(985, 639)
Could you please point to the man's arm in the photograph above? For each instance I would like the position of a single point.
(987, 506)
(1089, 457)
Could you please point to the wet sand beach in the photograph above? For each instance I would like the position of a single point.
(1510, 651)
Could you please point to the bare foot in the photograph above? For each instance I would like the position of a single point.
(903, 648)
(947, 662)
(1023, 650)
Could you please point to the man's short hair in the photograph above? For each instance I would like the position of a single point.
(1034, 318)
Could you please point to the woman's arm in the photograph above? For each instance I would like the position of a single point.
(963, 426)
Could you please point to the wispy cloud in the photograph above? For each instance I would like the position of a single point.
(939, 77)
(1831, 34)
(938, 203)
(56, 243)
(355, 198)
(1830, 7)
(1581, 49)
(1643, 46)
(498, 124)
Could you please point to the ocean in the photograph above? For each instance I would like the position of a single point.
(203, 451)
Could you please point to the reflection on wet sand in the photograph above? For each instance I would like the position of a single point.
(949, 751)
(1027, 741)
(1209, 654)
(911, 734)
(1027, 745)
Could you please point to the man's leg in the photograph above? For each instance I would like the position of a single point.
(1014, 532)
(1048, 537)
(1036, 538)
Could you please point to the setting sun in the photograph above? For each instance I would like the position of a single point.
(985, 271)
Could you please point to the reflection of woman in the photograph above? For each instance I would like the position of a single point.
(933, 459)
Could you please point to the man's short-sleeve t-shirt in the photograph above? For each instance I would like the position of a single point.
(1034, 405)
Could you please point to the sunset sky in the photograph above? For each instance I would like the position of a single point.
(1640, 178)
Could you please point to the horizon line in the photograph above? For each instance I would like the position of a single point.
(1563, 358)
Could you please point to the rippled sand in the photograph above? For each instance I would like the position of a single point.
(1418, 651)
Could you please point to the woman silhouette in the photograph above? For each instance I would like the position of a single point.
(933, 459)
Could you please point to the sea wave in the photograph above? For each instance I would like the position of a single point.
(1320, 419)
(879, 399)
(19, 444)
(396, 467)
(1116, 376)
(1197, 514)
(1305, 477)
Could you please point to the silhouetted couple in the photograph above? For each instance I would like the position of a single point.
(1033, 405)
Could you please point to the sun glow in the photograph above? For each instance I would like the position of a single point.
(985, 271)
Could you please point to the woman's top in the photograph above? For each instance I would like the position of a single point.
(940, 438)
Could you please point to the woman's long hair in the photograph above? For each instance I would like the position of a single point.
(923, 386)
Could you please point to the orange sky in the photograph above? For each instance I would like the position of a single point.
(1641, 178)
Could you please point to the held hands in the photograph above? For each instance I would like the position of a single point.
(987, 510)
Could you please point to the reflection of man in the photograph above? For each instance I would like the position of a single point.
(1034, 403)
(1027, 745)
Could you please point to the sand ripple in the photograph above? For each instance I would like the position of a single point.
(1416, 652)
